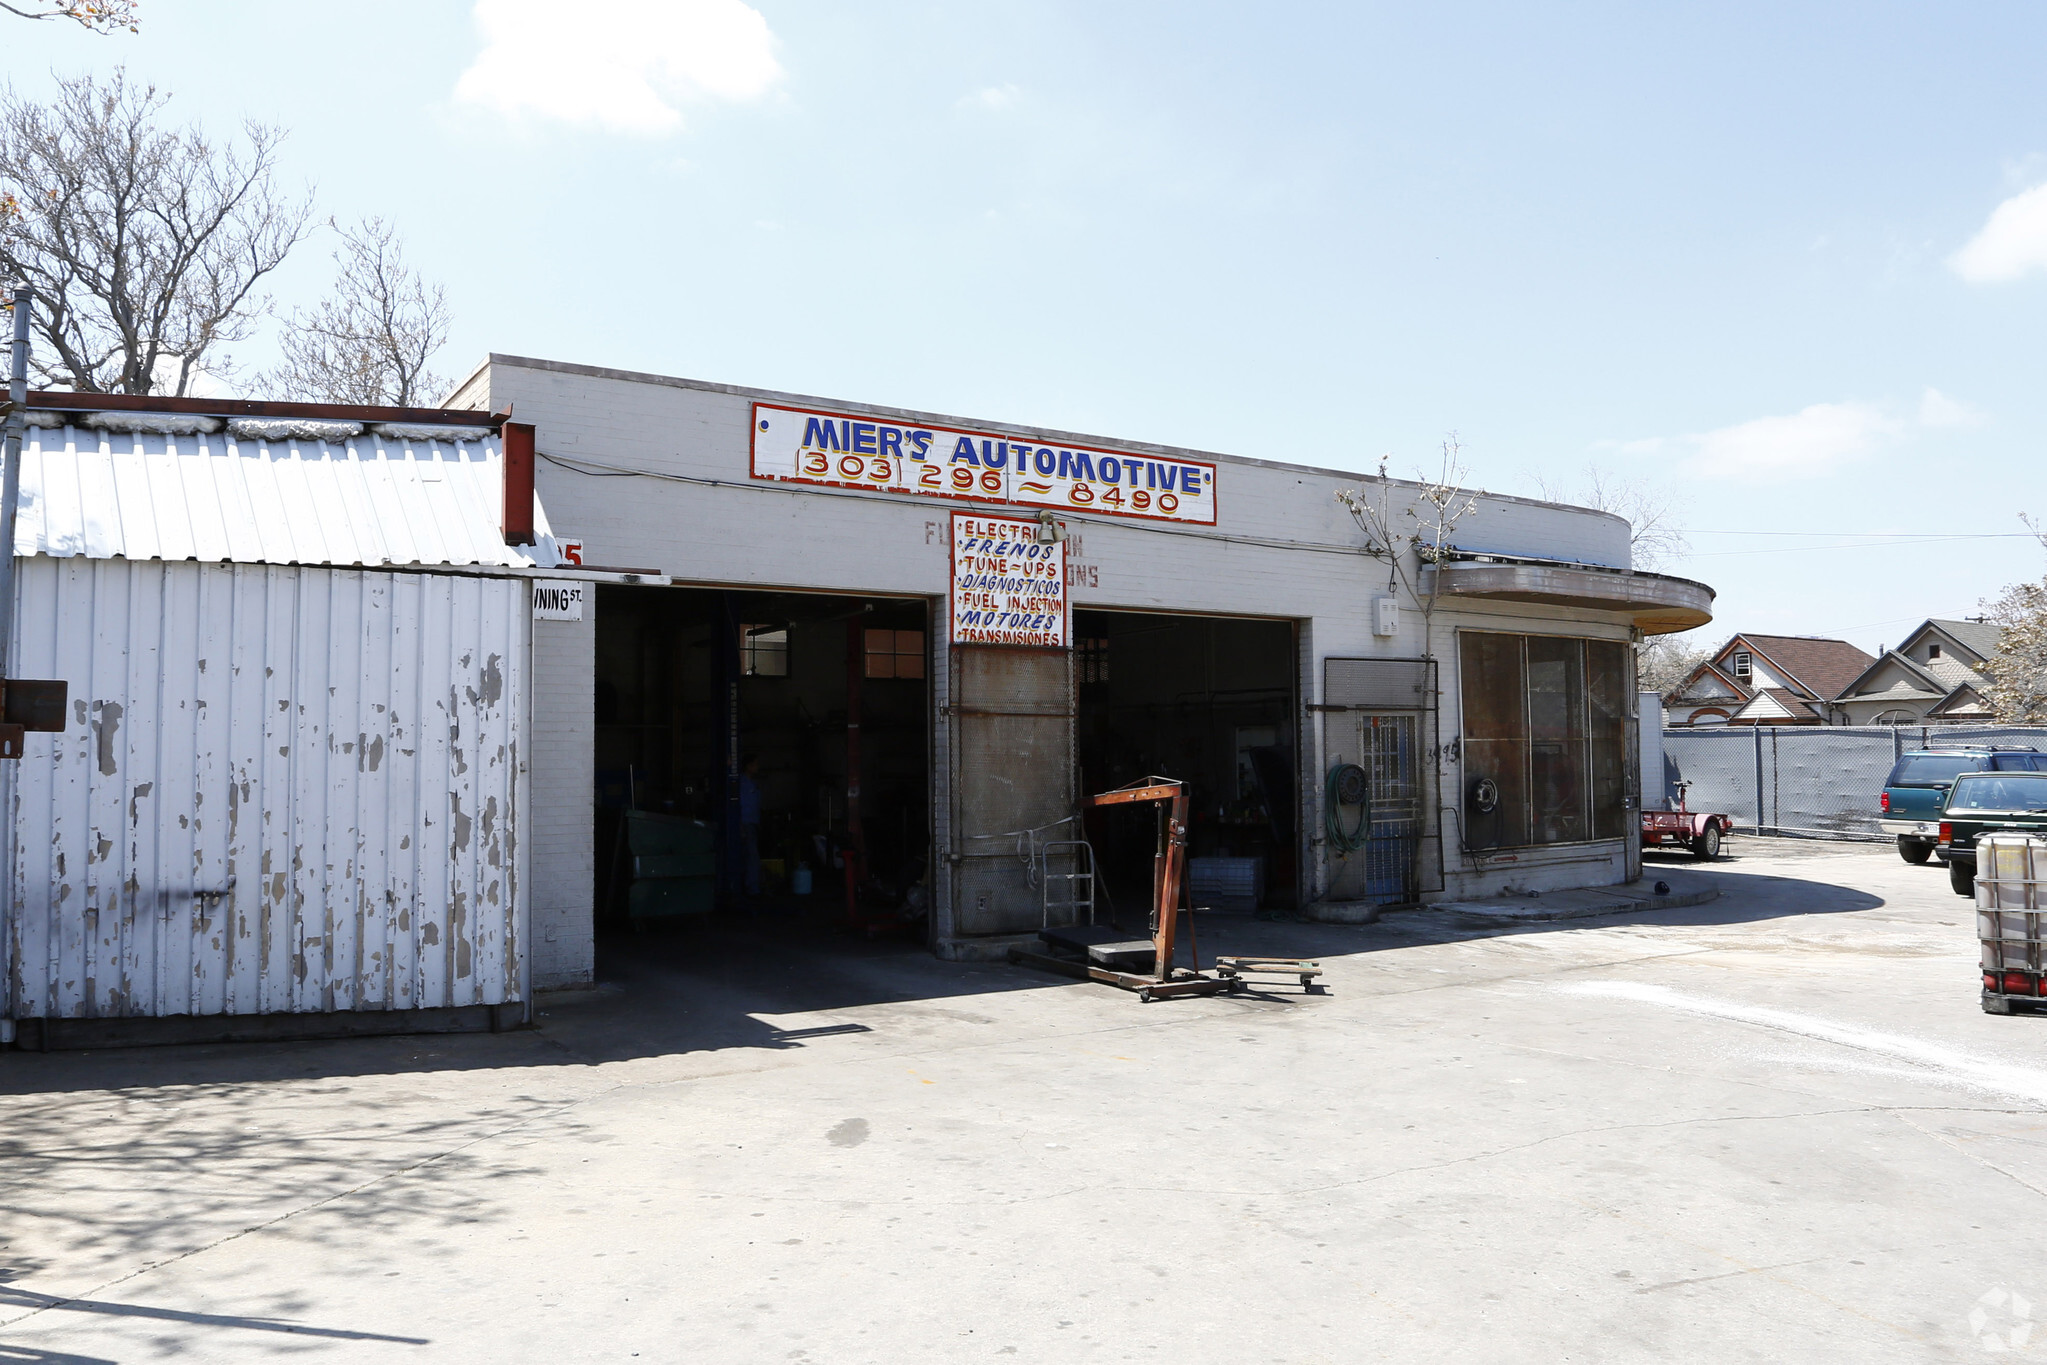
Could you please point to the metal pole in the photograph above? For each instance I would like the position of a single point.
(10, 479)
(10, 494)
(1756, 730)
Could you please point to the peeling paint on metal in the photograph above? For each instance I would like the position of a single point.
(335, 902)
(104, 731)
(462, 825)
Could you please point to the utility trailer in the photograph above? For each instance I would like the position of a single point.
(1699, 831)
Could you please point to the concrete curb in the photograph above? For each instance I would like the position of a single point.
(993, 948)
(1505, 913)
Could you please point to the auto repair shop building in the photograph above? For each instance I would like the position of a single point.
(869, 607)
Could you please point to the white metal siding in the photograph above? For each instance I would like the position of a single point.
(338, 746)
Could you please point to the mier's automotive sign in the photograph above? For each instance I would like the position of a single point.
(838, 450)
(1007, 589)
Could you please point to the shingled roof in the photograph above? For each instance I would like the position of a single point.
(1978, 636)
(1824, 667)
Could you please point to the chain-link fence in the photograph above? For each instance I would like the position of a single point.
(1811, 781)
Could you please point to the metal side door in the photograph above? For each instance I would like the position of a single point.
(1387, 742)
(1012, 719)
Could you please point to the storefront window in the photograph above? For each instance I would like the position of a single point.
(1545, 739)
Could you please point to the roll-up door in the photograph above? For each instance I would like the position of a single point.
(1011, 714)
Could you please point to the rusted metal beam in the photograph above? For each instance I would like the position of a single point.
(67, 401)
(1133, 795)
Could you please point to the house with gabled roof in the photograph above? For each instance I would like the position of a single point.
(1935, 675)
(1768, 680)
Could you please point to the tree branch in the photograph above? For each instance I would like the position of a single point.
(98, 16)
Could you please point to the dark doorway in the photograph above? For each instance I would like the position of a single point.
(761, 752)
(1208, 700)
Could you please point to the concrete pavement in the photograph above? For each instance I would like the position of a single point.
(1772, 1127)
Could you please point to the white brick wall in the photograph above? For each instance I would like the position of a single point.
(738, 531)
(562, 751)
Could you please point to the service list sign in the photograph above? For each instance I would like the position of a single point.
(836, 450)
(1007, 589)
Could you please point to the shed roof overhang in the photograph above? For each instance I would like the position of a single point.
(1657, 603)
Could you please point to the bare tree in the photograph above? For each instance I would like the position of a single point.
(99, 16)
(371, 338)
(1663, 662)
(144, 245)
(1652, 540)
(1440, 503)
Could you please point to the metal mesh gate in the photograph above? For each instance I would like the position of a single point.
(1376, 711)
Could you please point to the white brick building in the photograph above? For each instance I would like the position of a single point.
(1223, 629)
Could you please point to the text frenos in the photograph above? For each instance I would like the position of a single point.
(1007, 589)
(840, 451)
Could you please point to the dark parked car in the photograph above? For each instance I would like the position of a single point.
(1912, 795)
(1981, 802)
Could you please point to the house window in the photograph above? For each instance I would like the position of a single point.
(764, 651)
(1545, 739)
(1933, 651)
(895, 653)
(1742, 666)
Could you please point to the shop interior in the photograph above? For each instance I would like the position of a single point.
(761, 755)
(1209, 700)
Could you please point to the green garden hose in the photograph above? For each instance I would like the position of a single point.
(1347, 780)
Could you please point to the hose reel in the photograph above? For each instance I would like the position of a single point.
(1348, 785)
(1484, 797)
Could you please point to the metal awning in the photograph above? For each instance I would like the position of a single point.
(1656, 603)
(133, 484)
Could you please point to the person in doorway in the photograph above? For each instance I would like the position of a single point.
(750, 825)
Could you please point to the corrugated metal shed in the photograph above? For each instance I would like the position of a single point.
(367, 500)
(292, 780)
(282, 790)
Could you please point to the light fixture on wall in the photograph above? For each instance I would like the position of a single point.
(1050, 532)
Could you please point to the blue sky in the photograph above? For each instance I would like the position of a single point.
(1778, 262)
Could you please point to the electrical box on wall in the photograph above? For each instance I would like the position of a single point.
(1385, 616)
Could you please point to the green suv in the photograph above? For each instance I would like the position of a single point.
(1979, 803)
(1910, 804)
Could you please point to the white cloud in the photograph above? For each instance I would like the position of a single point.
(1810, 441)
(624, 71)
(1814, 440)
(2012, 244)
(991, 97)
(1938, 410)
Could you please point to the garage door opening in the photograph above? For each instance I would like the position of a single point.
(762, 756)
(1208, 700)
